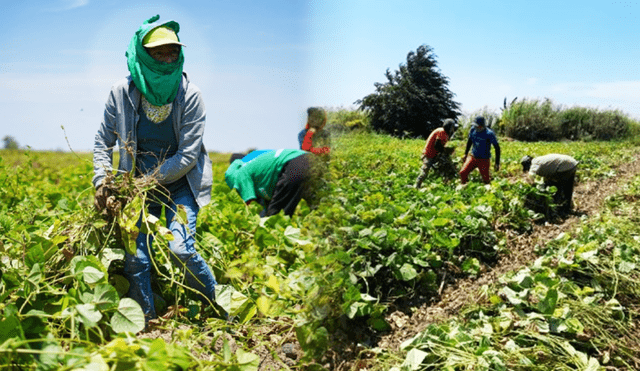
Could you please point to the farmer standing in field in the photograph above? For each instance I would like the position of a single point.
(435, 146)
(157, 118)
(556, 170)
(481, 139)
(278, 179)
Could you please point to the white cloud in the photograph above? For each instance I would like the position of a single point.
(72, 4)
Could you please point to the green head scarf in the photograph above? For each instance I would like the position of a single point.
(157, 81)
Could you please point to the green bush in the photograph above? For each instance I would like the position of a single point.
(588, 123)
(633, 131)
(343, 120)
(531, 121)
(542, 121)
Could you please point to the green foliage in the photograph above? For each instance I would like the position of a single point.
(344, 120)
(587, 123)
(10, 142)
(542, 121)
(372, 240)
(465, 122)
(415, 99)
(575, 307)
(531, 121)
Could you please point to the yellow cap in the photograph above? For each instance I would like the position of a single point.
(160, 35)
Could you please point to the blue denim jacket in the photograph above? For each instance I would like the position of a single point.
(119, 126)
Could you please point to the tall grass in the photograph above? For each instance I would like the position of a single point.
(525, 120)
(342, 120)
(536, 120)
(530, 121)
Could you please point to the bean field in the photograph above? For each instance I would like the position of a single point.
(378, 276)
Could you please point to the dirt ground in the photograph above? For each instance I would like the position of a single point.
(352, 348)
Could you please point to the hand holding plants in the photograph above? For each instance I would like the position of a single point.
(100, 198)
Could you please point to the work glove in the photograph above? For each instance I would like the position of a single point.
(100, 199)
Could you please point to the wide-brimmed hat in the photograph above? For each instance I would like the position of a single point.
(161, 35)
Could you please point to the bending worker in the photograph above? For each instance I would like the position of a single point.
(557, 170)
(433, 147)
(278, 180)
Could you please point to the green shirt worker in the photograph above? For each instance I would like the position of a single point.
(277, 179)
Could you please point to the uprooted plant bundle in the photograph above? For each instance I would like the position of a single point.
(445, 166)
(125, 204)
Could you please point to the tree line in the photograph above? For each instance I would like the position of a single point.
(416, 99)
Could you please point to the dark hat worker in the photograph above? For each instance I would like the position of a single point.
(480, 141)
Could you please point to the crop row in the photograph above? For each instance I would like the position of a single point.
(575, 307)
(373, 239)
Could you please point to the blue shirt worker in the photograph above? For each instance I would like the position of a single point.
(480, 141)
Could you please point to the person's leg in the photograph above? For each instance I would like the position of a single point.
(137, 269)
(558, 196)
(197, 272)
(424, 170)
(571, 181)
(565, 184)
(289, 187)
(484, 165)
(467, 168)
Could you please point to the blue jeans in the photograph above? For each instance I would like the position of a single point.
(183, 253)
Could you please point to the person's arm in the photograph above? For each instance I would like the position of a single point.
(439, 146)
(301, 135)
(496, 145)
(307, 144)
(466, 151)
(104, 142)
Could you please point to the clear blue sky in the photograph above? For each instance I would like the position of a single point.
(260, 64)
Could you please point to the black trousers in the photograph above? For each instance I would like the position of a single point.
(291, 186)
(564, 182)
